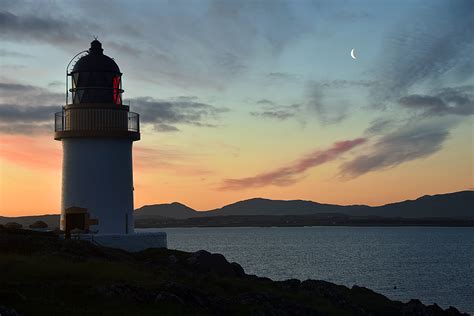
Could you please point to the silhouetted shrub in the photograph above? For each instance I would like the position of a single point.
(38, 224)
(13, 225)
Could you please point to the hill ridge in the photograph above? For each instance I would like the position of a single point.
(453, 205)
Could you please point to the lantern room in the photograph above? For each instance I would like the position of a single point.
(96, 78)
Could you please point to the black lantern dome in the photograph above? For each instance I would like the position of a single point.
(96, 78)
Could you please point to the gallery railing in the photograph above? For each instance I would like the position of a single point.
(96, 120)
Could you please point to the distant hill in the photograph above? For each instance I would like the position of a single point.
(172, 210)
(457, 204)
(449, 205)
(260, 206)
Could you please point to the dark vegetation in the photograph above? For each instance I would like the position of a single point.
(44, 275)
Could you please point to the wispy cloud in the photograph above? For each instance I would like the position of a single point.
(457, 101)
(38, 28)
(60, 29)
(327, 112)
(342, 83)
(206, 44)
(425, 49)
(416, 140)
(164, 114)
(27, 109)
(11, 53)
(168, 159)
(291, 173)
(22, 94)
(282, 77)
(26, 114)
(27, 120)
(265, 101)
(417, 113)
(274, 111)
(379, 126)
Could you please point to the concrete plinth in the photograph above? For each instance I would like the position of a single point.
(131, 242)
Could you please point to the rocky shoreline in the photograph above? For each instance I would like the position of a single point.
(43, 275)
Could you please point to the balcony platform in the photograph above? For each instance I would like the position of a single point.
(96, 121)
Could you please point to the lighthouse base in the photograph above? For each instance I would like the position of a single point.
(130, 242)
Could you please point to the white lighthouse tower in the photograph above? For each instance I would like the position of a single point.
(97, 132)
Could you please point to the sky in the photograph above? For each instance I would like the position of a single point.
(242, 99)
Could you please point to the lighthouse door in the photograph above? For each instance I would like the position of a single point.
(75, 218)
(75, 221)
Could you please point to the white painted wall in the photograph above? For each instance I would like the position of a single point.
(97, 175)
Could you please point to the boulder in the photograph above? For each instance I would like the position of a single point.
(167, 297)
(253, 298)
(291, 284)
(205, 261)
(7, 311)
(188, 295)
(270, 304)
(414, 307)
(454, 311)
(238, 270)
(172, 259)
(127, 292)
(13, 225)
(39, 225)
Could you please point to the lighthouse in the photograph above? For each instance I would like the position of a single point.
(97, 132)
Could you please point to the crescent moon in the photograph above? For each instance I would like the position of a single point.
(353, 54)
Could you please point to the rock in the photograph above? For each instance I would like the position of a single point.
(454, 311)
(167, 297)
(416, 308)
(172, 259)
(191, 260)
(57, 231)
(204, 261)
(188, 295)
(127, 292)
(291, 284)
(253, 298)
(11, 296)
(268, 304)
(238, 270)
(13, 225)
(7, 311)
(435, 309)
(39, 225)
(322, 288)
(201, 253)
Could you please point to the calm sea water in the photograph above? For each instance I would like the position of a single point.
(433, 264)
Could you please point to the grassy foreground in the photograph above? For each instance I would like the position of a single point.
(41, 274)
